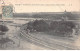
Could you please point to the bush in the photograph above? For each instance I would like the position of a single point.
(38, 25)
(59, 28)
(62, 27)
(3, 28)
(53, 25)
(30, 26)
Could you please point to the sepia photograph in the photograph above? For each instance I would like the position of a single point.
(39, 25)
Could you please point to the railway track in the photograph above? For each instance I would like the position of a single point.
(35, 40)
(46, 42)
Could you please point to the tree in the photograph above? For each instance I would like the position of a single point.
(62, 27)
(38, 25)
(3, 29)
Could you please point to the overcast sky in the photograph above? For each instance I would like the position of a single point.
(44, 5)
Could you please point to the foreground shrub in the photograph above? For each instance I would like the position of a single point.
(3, 28)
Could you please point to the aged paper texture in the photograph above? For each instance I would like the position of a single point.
(39, 24)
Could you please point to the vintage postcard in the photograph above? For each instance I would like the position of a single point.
(39, 24)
